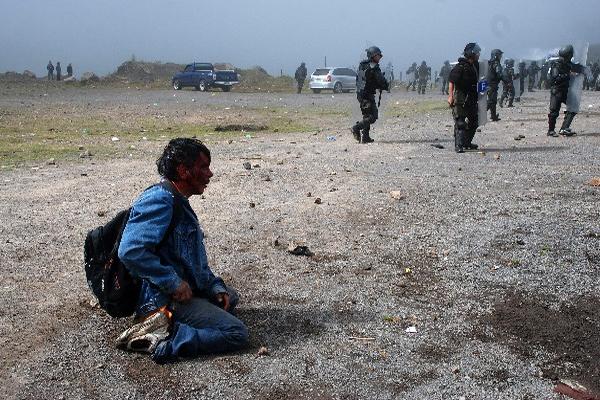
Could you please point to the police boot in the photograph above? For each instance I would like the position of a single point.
(356, 131)
(502, 100)
(365, 138)
(565, 128)
(468, 145)
(495, 116)
(459, 139)
(551, 126)
(510, 103)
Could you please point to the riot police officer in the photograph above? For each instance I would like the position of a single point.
(413, 82)
(368, 80)
(423, 72)
(560, 76)
(532, 72)
(508, 86)
(494, 76)
(444, 74)
(463, 98)
(300, 76)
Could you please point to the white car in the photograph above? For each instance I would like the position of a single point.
(338, 79)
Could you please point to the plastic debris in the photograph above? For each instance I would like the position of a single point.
(411, 329)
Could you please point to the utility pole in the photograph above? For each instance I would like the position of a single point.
(325, 61)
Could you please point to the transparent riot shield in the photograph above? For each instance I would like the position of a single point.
(482, 88)
(576, 81)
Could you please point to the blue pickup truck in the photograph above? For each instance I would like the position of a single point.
(203, 76)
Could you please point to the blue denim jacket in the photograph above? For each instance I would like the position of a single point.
(182, 255)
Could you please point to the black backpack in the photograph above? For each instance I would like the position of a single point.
(110, 281)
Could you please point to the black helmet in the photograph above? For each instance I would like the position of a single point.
(373, 51)
(509, 62)
(414, 64)
(302, 64)
(471, 49)
(497, 54)
(446, 62)
(534, 63)
(423, 63)
(566, 52)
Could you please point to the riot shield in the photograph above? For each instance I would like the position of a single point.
(482, 88)
(517, 84)
(576, 81)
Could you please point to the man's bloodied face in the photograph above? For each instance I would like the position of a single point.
(199, 175)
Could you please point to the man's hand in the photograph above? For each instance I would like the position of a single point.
(183, 293)
(451, 100)
(223, 300)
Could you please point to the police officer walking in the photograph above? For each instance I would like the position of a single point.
(560, 76)
(413, 82)
(463, 98)
(508, 86)
(494, 76)
(69, 70)
(300, 76)
(423, 72)
(444, 74)
(532, 72)
(368, 80)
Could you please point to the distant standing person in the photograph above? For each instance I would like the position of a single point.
(58, 71)
(300, 76)
(50, 69)
(560, 78)
(522, 76)
(532, 72)
(444, 74)
(424, 73)
(69, 70)
(494, 77)
(413, 78)
(463, 98)
(369, 79)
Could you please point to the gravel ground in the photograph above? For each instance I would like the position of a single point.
(492, 256)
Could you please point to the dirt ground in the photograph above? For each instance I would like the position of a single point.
(492, 256)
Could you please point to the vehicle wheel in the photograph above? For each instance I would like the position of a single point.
(226, 88)
(337, 88)
(176, 85)
(201, 86)
(316, 90)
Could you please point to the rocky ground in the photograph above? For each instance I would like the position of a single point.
(434, 275)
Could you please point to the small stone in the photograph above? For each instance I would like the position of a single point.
(518, 138)
(309, 194)
(51, 161)
(318, 200)
(455, 369)
(279, 162)
(101, 213)
(252, 205)
(267, 178)
(229, 141)
(396, 195)
(247, 165)
(85, 154)
(263, 351)
(497, 156)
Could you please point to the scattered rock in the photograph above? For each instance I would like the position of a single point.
(252, 205)
(309, 194)
(263, 351)
(318, 200)
(455, 369)
(497, 156)
(51, 161)
(396, 195)
(85, 154)
(299, 249)
(101, 213)
(518, 137)
(594, 181)
(247, 165)
(437, 146)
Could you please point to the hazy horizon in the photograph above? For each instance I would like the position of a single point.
(98, 37)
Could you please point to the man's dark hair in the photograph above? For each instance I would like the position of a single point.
(180, 151)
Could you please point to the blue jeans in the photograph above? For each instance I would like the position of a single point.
(201, 327)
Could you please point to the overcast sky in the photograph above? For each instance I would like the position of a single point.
(277, 34)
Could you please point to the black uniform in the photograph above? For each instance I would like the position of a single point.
(412, 69)
(532, 72)
(58, 71)
(369, 80)
(560, 76)
(50, 69)
(300, 76)
(543, 83)
(494, 76)
(444, 74)
(423, 72)
(69, 70)
(595, 74)
(464, 76)
(508, 87)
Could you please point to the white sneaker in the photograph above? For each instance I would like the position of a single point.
(146, 335)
